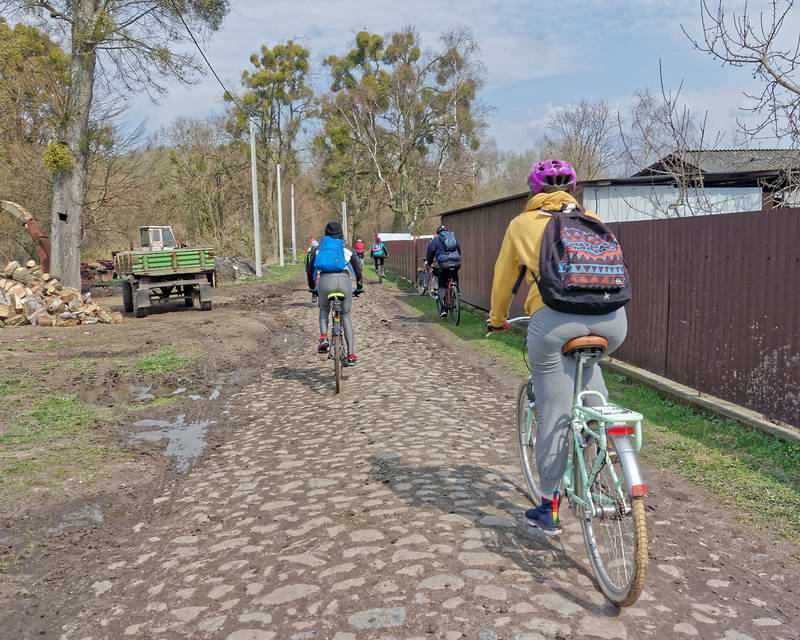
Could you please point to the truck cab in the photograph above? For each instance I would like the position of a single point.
(157, 238)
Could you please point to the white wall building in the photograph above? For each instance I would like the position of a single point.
(615, 202)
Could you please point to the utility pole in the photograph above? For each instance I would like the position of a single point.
(344, 219)
(280, 218)
(294, 235)
(254, 180)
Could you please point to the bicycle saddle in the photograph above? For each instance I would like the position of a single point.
(585, 345)
(336, 295)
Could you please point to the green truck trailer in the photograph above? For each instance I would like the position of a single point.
(160, 270)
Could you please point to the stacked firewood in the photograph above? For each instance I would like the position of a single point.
(28, 295)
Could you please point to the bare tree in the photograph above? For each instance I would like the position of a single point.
(126, 46)
(583, 134)
(767, 46)
(662, 139)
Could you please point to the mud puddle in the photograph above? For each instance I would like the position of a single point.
(186, 441)
(111, 392)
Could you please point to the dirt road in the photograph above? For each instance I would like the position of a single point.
(391, 511)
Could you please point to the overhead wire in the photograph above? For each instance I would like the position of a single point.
(211, 67)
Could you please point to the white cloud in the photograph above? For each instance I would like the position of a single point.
(537, 53)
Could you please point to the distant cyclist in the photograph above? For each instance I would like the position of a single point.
(360, 248)
(379, 252)
(313, 244)
(330, 260)
(552, 184)
(444, 248)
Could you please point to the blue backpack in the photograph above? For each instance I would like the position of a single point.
(330, 256)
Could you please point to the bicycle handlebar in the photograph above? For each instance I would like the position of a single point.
(511, 323)
(519, 320)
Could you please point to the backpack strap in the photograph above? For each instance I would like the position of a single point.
(520, 278)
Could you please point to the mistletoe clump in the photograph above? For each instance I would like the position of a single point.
(58, 158)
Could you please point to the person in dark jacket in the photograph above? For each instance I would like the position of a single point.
(330, 282)
(446, 251)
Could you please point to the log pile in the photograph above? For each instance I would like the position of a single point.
(28, 295)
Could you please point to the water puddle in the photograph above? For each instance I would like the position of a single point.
(113, 392)
(185, 440)
(83, 518)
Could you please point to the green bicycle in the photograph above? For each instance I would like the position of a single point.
(603, 482)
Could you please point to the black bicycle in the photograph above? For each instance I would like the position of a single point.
(337, 350)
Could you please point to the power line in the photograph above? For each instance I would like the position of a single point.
(210, 66)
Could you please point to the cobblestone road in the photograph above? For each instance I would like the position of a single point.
(387, 512)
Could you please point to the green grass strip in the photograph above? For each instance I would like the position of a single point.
(164, 361)
(51, 419)
(275, 274)
(747, 470)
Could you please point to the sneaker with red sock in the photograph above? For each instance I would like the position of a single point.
(323, 345)
(352, 360)
(545, 516)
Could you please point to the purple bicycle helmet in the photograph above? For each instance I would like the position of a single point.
(552, 175)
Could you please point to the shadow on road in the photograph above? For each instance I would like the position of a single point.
(499, 520)
(319, 378)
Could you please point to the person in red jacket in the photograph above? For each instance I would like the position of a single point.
(360, 248)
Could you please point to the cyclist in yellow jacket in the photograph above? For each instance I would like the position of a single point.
(552, 184)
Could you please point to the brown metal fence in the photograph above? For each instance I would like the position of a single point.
(716, 301)
(405, 257)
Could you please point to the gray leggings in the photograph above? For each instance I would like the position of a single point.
(328, 283)
(554, 381)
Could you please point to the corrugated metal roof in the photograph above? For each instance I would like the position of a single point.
(734, 160)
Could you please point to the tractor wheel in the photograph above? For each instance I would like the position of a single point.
(127, 297)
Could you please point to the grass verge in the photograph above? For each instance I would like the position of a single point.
(750, 471)
(164, 361)
(49, 446)
(275, 274)
(50, 419)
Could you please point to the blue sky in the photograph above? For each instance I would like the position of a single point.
(538, 54)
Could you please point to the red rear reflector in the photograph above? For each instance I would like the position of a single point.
(639, 490)
(620, 430)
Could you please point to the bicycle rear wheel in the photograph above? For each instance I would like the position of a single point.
(454, 306)
(526, 440)
(616, 539)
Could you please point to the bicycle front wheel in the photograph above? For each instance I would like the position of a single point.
(454, 307)
(615, 538)
(526, 440)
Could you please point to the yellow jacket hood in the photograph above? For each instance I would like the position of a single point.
(521, 248)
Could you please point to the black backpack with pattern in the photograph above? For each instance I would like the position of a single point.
(581, 267)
